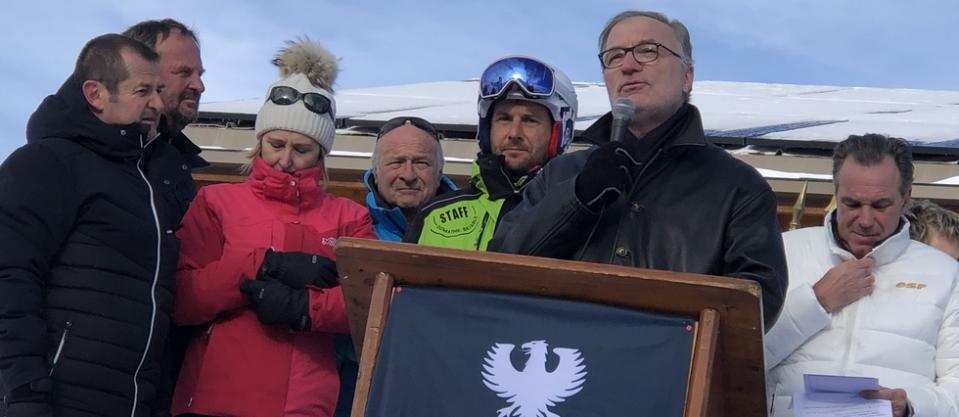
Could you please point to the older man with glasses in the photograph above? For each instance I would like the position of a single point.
(655, 194)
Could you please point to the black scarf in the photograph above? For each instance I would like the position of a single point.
(644, 149)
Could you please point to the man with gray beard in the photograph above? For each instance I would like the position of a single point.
(181, 70)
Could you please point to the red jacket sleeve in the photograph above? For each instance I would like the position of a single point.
(328, 310)
(328, 307)
(208, 280)
(361, 226)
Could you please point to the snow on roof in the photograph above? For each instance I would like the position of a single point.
(730, 109)
(787, 175)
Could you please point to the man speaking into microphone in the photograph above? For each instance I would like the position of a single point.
(654, 194)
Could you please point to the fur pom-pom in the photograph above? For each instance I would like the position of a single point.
(309, 58)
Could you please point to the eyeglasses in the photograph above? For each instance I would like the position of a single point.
(643, 53)
(417, 122)
(314, 102)
(534, 78)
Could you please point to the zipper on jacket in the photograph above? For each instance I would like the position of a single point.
(479, 238)
(156, 278)
(852, 326)
(63, 342)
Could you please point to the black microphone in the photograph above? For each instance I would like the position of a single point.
(623, 112)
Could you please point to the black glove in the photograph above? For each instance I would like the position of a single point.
(605, 175)
(277, 303)
(30, 400)
(298, 269)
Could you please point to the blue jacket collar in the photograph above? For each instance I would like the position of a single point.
(389, 223)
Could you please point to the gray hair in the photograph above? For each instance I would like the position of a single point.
(375, 159)
(870, 149)
(679, 29)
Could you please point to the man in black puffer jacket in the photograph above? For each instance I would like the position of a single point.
(88, 210)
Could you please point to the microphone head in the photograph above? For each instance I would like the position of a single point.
(624, 109)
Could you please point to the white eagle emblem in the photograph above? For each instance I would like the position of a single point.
(531, 391)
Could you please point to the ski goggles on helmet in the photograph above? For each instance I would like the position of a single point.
(534, 78)
(314, 102)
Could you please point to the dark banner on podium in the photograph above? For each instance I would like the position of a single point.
(450, 352)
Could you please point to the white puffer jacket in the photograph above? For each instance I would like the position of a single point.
(906, 333)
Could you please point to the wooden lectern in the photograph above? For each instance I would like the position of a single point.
(726, 373)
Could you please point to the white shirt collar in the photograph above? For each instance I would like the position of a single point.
(884, 253)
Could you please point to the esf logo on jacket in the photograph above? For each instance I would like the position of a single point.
(456, 220)
(915, 285)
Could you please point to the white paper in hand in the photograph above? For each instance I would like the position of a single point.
(838, 396)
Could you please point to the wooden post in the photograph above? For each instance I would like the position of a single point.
(699, 396)
(799, 208)
(376, 324)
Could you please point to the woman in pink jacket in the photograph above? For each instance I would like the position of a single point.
(256, 266)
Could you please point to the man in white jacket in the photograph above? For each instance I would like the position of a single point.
(864, 299)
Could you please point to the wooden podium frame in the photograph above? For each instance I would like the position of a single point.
(727, 373)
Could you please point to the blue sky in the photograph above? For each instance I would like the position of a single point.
(879, 43)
